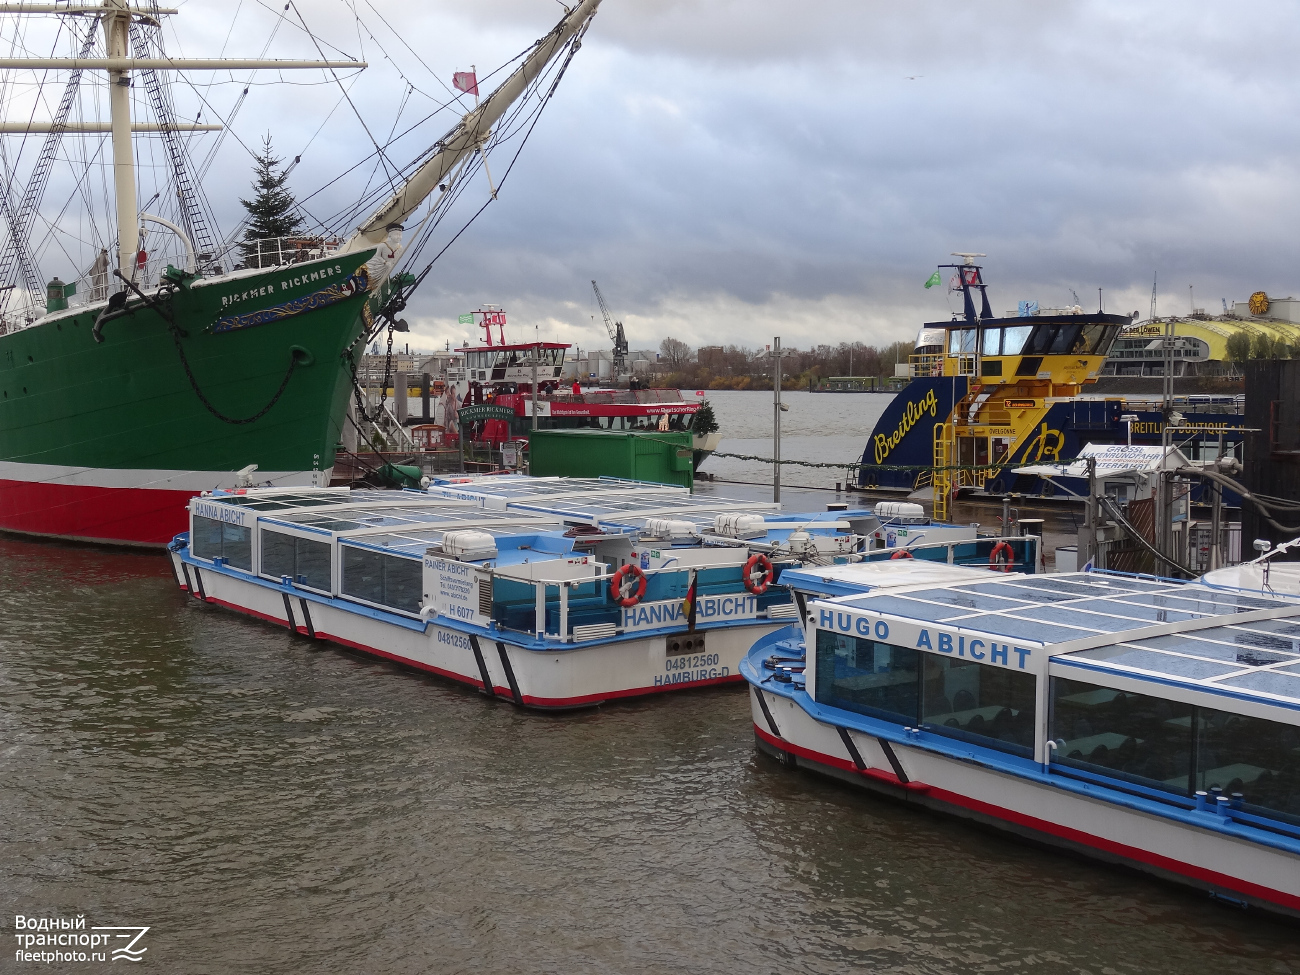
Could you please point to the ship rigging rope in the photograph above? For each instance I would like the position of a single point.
(859, 464)
(397, 301)
(362, 206)
(383, 157)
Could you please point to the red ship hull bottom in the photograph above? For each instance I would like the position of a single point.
(113, 507)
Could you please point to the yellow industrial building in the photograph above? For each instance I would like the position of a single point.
(1201, 341)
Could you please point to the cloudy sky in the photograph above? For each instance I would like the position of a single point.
(730, 170)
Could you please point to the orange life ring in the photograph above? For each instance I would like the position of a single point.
(616, 586)
(902, 553)
(763, 564)
(994, 562)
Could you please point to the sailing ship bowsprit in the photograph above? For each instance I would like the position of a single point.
(114, 413)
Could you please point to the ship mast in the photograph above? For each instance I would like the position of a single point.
(117, 24)
(117, 16)
(469, 135)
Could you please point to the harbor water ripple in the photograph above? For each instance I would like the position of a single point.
(268, 804)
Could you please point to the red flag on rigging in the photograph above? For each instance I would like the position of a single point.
(466, 82)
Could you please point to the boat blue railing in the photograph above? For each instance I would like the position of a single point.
(975, 553)
(516, 606)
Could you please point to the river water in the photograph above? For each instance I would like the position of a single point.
(267, 804)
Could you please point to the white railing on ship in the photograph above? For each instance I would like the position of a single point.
(275, 251)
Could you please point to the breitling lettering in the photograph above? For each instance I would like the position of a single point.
(912, 413)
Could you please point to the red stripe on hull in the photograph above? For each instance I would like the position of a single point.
(586, 700)
(1071, 837)
(123, 516)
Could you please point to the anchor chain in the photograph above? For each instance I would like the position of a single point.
(164, 311)
(194, 384)
(362, 412)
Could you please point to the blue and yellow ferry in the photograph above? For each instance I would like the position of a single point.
(989, 394)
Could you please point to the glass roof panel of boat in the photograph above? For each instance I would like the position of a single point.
(544, 487)
(970, 599)
(370, 511)
(1088, 609)
(1272, 682)
(280, 502)
(416, 541)
(1171, 664)
(625, 508)
(1258, 656)
(1202, 645)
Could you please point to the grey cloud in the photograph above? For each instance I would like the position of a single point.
(716, 163)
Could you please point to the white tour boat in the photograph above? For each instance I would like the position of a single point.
(552, 593)
(1148, 722)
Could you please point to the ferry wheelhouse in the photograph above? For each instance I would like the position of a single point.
(549, 593)
(988, 394)
(1143, 721)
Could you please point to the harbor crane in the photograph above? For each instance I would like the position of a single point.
(616, 334)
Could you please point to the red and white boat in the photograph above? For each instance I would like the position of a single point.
(503, 374)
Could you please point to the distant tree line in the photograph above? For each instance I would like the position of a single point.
(740, 367)
(1243, 346)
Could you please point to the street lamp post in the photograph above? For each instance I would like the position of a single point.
(1128, 419)
(776, 419)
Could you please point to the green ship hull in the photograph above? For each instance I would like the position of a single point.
(106, 440)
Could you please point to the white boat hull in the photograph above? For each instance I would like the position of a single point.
(566, 677)
(1203, 855)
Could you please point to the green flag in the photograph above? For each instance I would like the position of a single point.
(469, 319)
(933, 280)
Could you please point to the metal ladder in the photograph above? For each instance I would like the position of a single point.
(193, 207)
(942, 479)
(17, 248)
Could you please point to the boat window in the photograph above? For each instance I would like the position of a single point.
(1054, 339)
(992, 344)
(961, 340)
(1143, 739)
(1098, 339)
(868, 677)
(386, 580)
(214, 539)
(989, 706)
(1066, 341)
(1254, 756)
(1013, 339)
(304, 561)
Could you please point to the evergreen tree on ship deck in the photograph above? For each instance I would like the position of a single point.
(272, 212)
